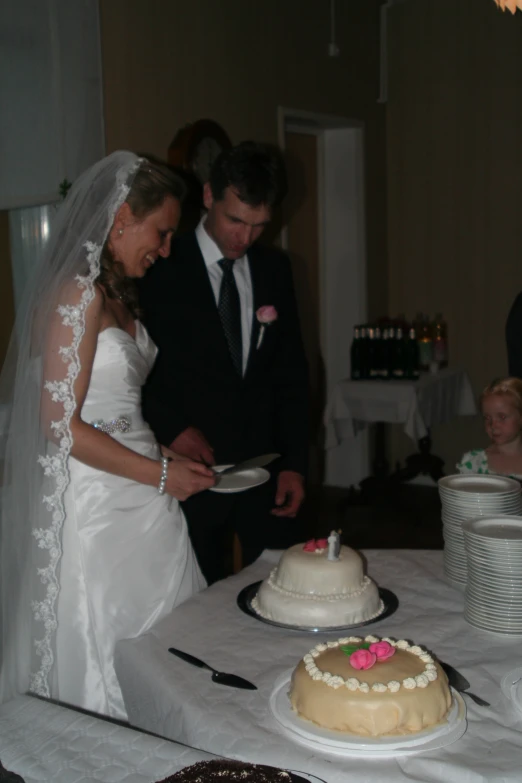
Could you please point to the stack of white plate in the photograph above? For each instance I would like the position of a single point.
(494, 585)
(467, 496)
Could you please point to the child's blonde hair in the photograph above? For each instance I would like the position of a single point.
(511, 387)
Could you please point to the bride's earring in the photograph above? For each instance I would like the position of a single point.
(120, 232)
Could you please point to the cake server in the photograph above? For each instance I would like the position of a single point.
(220, 677)
(255, 462)
(460, 683)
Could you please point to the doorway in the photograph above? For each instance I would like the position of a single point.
(324, 235)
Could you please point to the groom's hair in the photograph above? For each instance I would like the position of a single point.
(255, 171)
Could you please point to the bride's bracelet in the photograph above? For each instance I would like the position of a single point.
(163, 479)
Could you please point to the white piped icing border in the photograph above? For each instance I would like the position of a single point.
(353, 684)
(319, 596)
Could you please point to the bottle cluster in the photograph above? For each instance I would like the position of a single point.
(398, 350)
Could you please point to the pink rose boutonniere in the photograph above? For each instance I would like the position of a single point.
(266, 315)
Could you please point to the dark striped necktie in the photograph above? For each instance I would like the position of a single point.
(230, 313)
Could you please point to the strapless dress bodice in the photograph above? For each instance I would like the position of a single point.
(120, 368)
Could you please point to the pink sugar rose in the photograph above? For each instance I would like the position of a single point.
(266, 314)
(383, 650)
(362, 659)
(314, 544)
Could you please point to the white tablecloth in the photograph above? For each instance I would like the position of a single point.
(172, 698)
(45, 743)
(431, 400)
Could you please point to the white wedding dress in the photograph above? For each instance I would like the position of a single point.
(127, 558)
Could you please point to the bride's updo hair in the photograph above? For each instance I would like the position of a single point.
(152, 183)
(509, 387)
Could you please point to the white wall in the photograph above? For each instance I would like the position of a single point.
(344, 281)
(51, 125)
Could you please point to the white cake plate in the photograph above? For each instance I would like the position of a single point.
(350, 745)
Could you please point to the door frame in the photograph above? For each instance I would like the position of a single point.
(342, 237)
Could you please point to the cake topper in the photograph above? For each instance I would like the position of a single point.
(334, 545)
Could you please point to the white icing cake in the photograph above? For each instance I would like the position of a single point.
(307, 588)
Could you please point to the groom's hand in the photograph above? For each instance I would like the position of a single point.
(192, 443)
(289, 495)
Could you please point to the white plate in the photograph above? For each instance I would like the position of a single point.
(488, 581)
(511, 554)
(241, 481)
(498, 597)
(505, 622)
(504, 635)
(497, 529)
(467, 501)
(350, 745)
(460, 513)
(493, 619)
(494, 613)
(477, 482)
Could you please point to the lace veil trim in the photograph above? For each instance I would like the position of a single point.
(55, 466)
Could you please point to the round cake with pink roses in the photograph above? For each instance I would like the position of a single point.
(319, 584)
(370, 686)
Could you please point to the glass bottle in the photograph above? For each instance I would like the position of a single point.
(373, 358)
(384, 364)
(425, 343)
(440, 341)
(412, 356)
(400, 356)
(392, 350)
(355, 355)
(375, 370)
(364, 352)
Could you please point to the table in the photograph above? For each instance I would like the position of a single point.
(166, 696)
(417, 405)
(45, 742)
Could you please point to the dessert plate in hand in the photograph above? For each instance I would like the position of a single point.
(240, 481)
(351, 745)
(389, 601)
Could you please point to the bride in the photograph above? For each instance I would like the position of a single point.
(94, 545)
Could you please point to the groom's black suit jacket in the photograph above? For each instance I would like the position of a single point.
(193, 382)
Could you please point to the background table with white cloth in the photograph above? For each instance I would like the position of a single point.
(169, 697)
(417, 405)
(45, 742)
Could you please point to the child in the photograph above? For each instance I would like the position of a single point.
(501, 406)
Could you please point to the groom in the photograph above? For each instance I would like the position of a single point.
(230, 381)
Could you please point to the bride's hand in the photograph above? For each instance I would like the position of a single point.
(186, 478)
(166, 452)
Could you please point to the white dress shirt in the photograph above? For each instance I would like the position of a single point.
(212, 255)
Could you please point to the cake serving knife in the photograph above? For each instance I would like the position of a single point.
(222, 678)
(255, 462)
(460, 683)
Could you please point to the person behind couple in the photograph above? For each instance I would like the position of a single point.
(501, 408)
(225, 387)
(94, 545)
